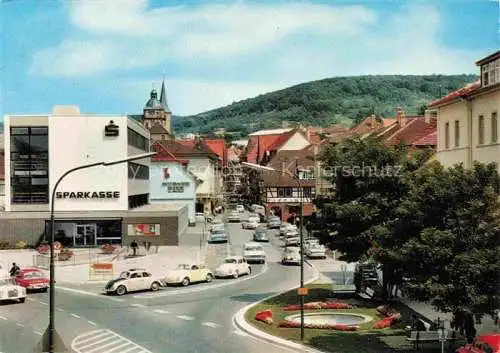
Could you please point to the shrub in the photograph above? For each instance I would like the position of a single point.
(21, 244)
(4, 244)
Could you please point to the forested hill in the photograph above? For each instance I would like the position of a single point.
(325, 102)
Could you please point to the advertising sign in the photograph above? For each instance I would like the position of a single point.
(143, 230)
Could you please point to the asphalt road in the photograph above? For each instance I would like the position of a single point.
(193, 321)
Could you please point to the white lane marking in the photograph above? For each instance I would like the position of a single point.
(137, 305)
(92, 323)
(161, 311)
(38, 333)
(77, 316)
(105, 341)
(82, 292)
(30, 299)
(3, 318)
(201, 289)
(44, 303)
(210, 324)
(59, 309)
(239, 333)
(184, 317)
(19, 324)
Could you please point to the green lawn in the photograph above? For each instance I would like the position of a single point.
(364, 340)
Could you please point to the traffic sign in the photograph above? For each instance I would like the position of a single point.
(302, 291)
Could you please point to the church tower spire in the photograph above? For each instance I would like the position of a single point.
(163, 97)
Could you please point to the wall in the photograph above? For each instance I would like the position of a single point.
(204, 169)
(78, 140)
(169, 231)
(137, 186)
(448, 114)
(2, 194)
(13, 230)
(296, 142)
(158, 193)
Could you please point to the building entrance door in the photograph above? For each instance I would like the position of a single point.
(85, 235)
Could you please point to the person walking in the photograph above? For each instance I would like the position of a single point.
(14, 269)
(134, 247)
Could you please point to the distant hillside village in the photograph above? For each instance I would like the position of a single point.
(195, 174)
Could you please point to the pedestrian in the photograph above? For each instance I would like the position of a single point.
(134, 247)
(14, 269)
(148, 245)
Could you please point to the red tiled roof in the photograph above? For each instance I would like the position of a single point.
(461, 92)
(218, 146)
(259, 144)
(413, 130)
(428, 140)
(369, 124)
(178, 149)
(303, 158)
(278, 178)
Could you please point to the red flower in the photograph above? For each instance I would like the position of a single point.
(264, 316)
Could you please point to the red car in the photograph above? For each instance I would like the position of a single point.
(32, 279)
(488, 343)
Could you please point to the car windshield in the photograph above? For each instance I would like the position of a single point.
(34, 274)
(230, 261)
(253, 248)
(7, 281)
(183, 267)
(124, 274)
(219, 232)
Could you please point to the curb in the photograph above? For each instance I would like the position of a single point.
(240, 322)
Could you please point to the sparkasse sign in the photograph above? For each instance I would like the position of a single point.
(88, 195)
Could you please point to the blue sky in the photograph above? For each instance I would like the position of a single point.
(104, 55)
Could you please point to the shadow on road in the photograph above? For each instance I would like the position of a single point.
(252, 297)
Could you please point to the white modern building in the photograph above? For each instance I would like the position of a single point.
(102, 204)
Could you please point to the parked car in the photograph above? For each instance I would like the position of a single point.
(240, 208)
(186, 274)
(32, 279)
(216, 224)
(249, 225)
(287, 228)
(234, 216)
(292, 240)
(260, 234)
(254, 252)
(291, 256)
(199, 217)
(487, 343)
(4, 271)
(310, 242)
(233, 266)
(219, 236)
(254, 217)
(316, 251)
(133, 280)
(10, 291)
(274, 222)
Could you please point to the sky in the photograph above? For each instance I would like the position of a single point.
(106, 55)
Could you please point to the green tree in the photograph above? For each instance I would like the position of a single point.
(451, 227)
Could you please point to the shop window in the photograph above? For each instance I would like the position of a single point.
(285, 192)
(307, 192)
(29, 165)
(138, 171)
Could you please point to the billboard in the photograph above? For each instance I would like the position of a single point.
(145, 230)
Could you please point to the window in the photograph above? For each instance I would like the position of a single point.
(494, 127)
(306, 174)
(29, 165)
(447, 135)
(480, 130)
(137, 140)
(307, 192)
(457, 133)
(490, 73)
(138, 171)
(284, 192)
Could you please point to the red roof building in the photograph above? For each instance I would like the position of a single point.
(217, 146)
(463, 92)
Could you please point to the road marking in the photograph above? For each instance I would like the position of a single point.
(82, 292)
(77, 316)
(137, 305)
(92, 323)
(239, 333)
(104, 341)
(44, 303)
(38, 333)
(19, 324)
(59, 309)
(161, 311)
(3, 318)
(210, 324)
(201, 289)
(30, 299)
(184, 317)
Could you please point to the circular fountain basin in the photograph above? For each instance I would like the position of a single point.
(347, 319)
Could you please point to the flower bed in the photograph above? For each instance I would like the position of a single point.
(65, 255)
(44, 249)
(319, 306)
(108, 248)
(265, 316)
(318, 326)
(389, 317)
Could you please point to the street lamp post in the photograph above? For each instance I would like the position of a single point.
(442, 334)
(301, 233)
(49, 343)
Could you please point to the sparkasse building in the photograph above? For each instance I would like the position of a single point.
(94, 206)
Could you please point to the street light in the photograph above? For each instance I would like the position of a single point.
(51, 342)
(442, 335)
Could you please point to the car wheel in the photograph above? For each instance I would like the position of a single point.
(121, 290)
(209, 278)
(155, 286)
(236, 275)
(185, 282)
(22, 300)
(45, 290)
(249, 270)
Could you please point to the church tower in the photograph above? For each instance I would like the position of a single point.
(156, 112)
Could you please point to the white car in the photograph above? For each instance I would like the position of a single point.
(199, 217)
(287, 227)
(249, 225)
(9, 290)
(216, 224)
(234, 217)
(292, 240)
(253, 217)
(240, 208)
(233, 266)
(186, 274)
(316, 251)
(310, 242)
(291, 255)
(254, 252)
(4, 272)
(133, 280)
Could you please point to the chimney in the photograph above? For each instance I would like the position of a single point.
(400, 116)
